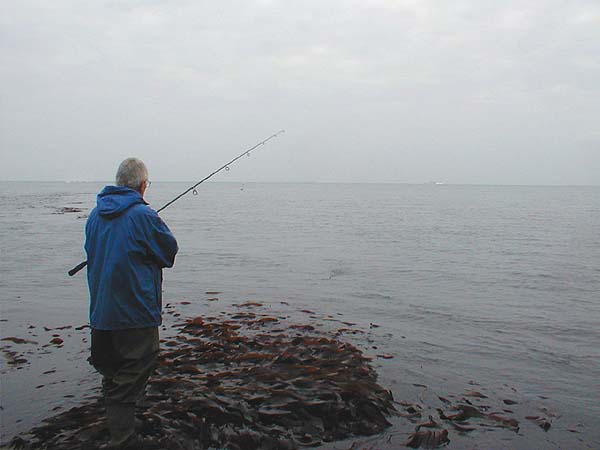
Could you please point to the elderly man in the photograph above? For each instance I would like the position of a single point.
(127, 247)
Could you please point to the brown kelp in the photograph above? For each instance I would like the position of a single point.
(241, 381)
(251, 378)
(427, 439)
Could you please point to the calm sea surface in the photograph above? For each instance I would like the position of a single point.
(485, 286)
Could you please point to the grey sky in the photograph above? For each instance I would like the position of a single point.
(473, 91)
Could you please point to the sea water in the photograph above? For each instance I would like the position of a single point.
(496, 287)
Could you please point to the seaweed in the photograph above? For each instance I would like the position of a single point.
(427, 439)
(234, 382)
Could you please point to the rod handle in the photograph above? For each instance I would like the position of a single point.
(77, 268)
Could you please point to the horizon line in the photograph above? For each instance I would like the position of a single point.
(411, 183)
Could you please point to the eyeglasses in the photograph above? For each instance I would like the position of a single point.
(148, 183)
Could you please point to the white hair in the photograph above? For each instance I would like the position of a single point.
(131, 173)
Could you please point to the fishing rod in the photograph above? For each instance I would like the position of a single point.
(192, 189)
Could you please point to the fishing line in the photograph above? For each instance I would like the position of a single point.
(192, 188)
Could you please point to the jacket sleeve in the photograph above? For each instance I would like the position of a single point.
(160, 242)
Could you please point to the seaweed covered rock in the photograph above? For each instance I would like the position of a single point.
(243, 381)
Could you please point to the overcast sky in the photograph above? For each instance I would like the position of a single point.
(471, 91)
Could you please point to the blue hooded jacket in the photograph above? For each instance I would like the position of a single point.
(127, 245)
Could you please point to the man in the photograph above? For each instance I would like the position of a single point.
(127, 247)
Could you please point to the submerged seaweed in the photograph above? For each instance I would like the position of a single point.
(235, 382)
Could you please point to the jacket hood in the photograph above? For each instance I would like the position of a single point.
(113, 201)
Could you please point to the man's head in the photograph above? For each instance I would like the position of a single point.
(132, 173)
